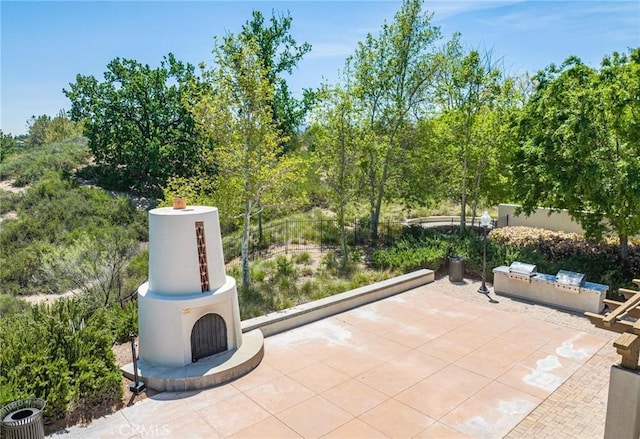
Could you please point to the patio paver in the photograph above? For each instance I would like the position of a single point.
(436, 361)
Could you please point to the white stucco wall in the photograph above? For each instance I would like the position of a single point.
(541, 217)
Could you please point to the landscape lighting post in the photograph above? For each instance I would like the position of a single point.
(136, 386)
(485, 223)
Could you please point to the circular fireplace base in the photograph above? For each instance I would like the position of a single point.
(206, 372)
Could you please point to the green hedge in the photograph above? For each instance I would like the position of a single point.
(412, 253)
(549, 251)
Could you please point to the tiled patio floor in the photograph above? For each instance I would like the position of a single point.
(437, 361)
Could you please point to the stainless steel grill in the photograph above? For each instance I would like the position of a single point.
(521, 271)
(569, 281)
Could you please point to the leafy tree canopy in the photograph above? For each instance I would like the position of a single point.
(37, 129)
(7, 145)
(338, 134)
(579, 144)
(62, 128)
(393, 79)
(232, 111)
(279, 53)
(138, 129)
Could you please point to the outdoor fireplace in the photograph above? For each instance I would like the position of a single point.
(188, 310)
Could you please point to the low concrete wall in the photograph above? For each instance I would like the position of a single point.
(541, 217)
(290, 318)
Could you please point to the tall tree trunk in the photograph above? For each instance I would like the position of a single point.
(375, 218)
(341, 202)
(259, 228)
(476, 191)
(465, 166)
(343, 235)
(624, 246)
(463, 198)
(246, 278)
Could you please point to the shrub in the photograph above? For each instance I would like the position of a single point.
(11, 305)
(409, 259)
(303, 258)
(8, 201)
(278, 283)
(68, 360)
(418, 248)
(55, 214)
(123, 321)
(31, 164)
(284, 267)
(549, 251)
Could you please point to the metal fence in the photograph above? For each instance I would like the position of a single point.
(294, 236)
(323, 234)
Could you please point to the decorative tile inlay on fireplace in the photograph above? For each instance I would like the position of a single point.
(202, 256)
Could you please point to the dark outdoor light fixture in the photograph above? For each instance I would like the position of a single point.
(136, 386)
(485, 223)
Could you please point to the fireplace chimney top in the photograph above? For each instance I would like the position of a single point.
(179, 203)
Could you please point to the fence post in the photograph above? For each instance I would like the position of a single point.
(355, 232)
(320, 234)
(286, 236)
(260, 229)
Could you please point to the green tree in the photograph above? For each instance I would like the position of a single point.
(337, 136)
(7, 145)
(426, 165)
(138, 129)
(467, 91)
(393, 77)
(233, 112)
(37, 129)
(579, 138)
(279, 54)
(62, 128)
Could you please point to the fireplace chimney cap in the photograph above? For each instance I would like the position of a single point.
(179, 203)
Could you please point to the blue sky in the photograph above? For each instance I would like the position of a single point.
(45, 44)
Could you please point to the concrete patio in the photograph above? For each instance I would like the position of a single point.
(437, 361)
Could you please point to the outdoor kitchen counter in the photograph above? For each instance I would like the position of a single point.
(545, 289)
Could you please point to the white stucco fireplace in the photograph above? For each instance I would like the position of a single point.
(188, 309)
(189, 329)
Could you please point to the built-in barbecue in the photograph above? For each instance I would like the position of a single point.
(566, 289)
(569, 281)
(522, 271)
